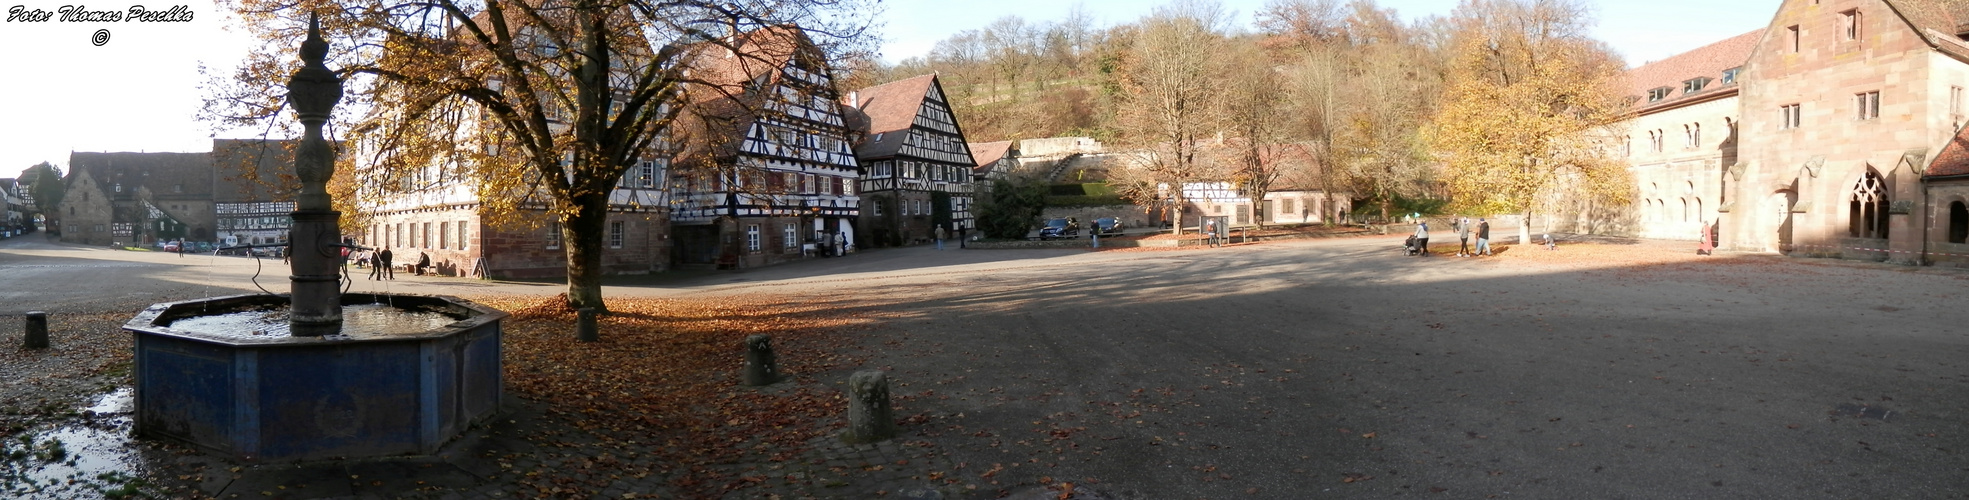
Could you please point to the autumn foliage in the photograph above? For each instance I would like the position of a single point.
(664, 380)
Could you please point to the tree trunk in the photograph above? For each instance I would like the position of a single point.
(1524, 228)
(582, 235)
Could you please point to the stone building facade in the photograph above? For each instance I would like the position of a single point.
(1844, 104)
(1681, 136)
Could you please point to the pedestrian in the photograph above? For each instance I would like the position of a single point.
(423, 263)
(1705, 247)
(1463, 237)
(1483, 237)
(375, 271)
(1422, 237)
(940, 234)
(388, 257)
(840, 244)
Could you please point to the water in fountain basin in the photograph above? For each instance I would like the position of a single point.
(359, 321)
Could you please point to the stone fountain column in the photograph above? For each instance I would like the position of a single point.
(316, 307)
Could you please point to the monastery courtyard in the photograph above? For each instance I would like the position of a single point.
(1333, 368)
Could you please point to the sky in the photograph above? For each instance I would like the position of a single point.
(140, 90)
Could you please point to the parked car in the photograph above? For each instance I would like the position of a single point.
(1107, 226)
(1065, 227)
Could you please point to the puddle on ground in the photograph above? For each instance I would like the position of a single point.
(89, 457)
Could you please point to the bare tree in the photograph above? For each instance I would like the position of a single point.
(539, 103)
(1253, 91)
(1170, 77)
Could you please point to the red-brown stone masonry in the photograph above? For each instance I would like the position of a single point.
(772, 242)
(1823, 76)
(524, 253)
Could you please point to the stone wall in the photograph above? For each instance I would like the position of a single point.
(514, 252)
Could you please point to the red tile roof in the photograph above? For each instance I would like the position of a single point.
(1954, 158)
(887, 109)
(1708, 61)
(987, 154)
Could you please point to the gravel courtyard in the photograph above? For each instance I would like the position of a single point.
(1302, 369)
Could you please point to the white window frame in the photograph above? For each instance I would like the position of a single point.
(553, 235)
(615, 233)
(752, 238)
(792, 235)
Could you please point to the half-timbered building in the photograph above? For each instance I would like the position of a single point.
(917, 166)
(767, 173)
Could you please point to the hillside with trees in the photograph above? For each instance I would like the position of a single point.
(1324, 94)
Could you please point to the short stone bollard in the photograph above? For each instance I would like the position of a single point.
(869, 417)
(761, 365)
(37, 331)
(584, 325)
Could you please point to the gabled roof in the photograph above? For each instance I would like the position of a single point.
(162, 173)
(988, 154)
(1954, 158)
(888, 110)
(1939, 22)
(1708, 61)
(272, 159)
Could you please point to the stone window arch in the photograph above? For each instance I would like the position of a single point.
(1866, 215)
(1697, 214)
(1958, 222)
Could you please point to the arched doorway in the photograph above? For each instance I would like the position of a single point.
(1777, 210)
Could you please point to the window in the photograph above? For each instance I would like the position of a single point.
(1789, 117)
(177, 188)
(1654, 141)
(444, 235)
(1730, 75)
(1692, 135)
(1659, 93)
(791, 236)
(553, 235)
(1867, 213)
(752, 237)
(427, 235)
(1694, 85)
(1792, 32)
(461, 235)
(615, 234)
(1850, 22)
(118, 187)
(1867, 104)
(1955, 105)
(1958, 223)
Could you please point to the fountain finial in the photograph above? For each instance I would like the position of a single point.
(313, 92)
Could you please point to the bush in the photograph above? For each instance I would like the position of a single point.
(1012, 210)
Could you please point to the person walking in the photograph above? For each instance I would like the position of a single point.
(840, 244)
(1483, 237)
(375, 270)
(389, 271)
(1422, 238)
(1463, 237)
(940, 234)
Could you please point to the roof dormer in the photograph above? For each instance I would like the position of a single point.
(1694, 85)
(1659, 93)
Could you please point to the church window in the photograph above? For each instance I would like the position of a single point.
(1867, 213)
